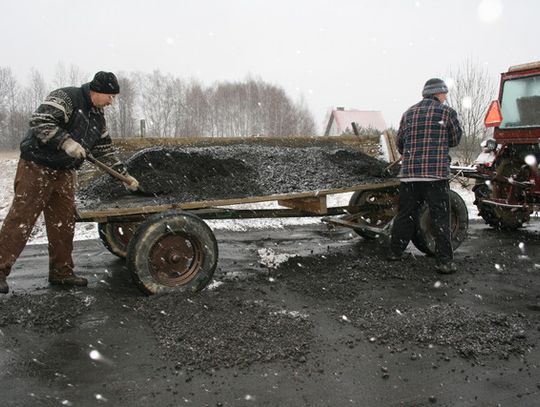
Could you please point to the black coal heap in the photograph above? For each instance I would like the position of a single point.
(188, 174)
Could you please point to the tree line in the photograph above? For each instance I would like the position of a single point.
(170, 106)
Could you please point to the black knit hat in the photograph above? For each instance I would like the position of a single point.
(105, 82)
(433, 87)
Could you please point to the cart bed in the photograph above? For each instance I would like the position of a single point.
(308, 203)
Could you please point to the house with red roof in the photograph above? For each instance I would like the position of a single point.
(341, 121)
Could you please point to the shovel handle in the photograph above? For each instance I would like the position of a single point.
(392, 165)
(107, 169)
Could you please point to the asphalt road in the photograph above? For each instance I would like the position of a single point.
(97, 346)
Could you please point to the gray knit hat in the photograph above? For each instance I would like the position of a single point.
(433, 87)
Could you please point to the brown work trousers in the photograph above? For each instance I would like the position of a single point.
(40, 189)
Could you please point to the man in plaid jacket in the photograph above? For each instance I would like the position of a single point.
(426, 132)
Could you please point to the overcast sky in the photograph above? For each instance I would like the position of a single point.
(369, 55)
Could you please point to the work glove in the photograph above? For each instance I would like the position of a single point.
(133, 184)
(73, 149)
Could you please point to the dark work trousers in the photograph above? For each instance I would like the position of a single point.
(40, 189)
(412, 196)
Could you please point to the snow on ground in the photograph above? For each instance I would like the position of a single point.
(88, 230)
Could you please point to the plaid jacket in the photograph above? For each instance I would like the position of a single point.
(426, 131)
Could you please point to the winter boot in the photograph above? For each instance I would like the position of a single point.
(4, 288)
(66, 278)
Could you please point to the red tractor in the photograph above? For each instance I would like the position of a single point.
(507, 188)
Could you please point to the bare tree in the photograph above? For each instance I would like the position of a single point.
(224, 109)
(158, 102)
(12, 121)
(194, 112)
(280, 114)
(257, 108)
(27, 100)
(6, 77)
(69, 76)
(305, 123)
(121, 119)
(38, 88)
(470, 95)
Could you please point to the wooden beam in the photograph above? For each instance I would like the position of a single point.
(391, 144)
(311, 205)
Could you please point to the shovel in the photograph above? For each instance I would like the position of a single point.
(116, 174)
(387, 169)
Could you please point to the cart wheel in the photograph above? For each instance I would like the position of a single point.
(116, 236)
(459, 224)
(377, 207)
(172, 251)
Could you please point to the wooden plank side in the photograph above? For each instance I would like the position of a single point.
(91, 215)
(315, 205)
(136, 143)
(392, 147)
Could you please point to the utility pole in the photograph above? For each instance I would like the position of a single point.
(143, 128)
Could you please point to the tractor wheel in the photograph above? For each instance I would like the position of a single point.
(496, 216)
(172, 251)
(115, 236)
(459, 223)
(486, 211)
(378, 208)
(501, 217)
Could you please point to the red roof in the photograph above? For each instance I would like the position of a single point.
(363, 118)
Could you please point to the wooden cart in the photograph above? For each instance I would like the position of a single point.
(171, 248)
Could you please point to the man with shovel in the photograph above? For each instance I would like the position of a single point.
(63, 128)
(426, 132)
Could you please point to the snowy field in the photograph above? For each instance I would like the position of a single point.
(87, 230)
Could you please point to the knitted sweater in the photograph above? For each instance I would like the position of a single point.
(68, 112)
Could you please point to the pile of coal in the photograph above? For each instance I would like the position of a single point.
(358, 286)
(188, 174)
(225, 329)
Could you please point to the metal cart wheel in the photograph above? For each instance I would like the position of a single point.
(377, 208)
(115, 236)
(172, 251)
(459, 223)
